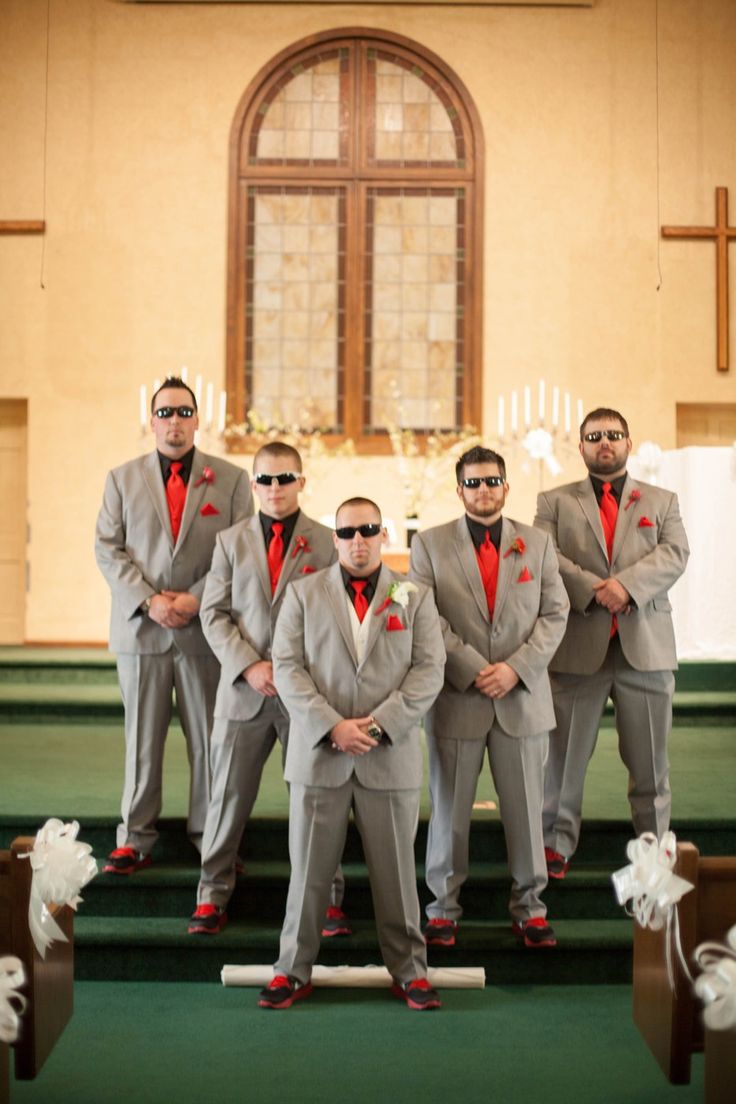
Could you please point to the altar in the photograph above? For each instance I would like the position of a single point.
(704, 598)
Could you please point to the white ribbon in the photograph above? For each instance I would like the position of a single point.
(12, 1003)
(540, 445)
(61, 867)
(716, 986)
(654, 890)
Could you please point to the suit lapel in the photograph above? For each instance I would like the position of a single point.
(155, 485)
(335, 594)
(469, 564)
(196, 490)
(292, 559)
(257, 550)
(625, 517)
(589, 506)
(377, 624)
(507, 565)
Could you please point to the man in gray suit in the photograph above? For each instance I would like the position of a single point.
(621, 545)
(503, 610)
(155, 535)
(358, 661)
(252, 566)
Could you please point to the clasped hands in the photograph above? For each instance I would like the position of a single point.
(173, 609)
(351, 736)
(495, 680)
(611, 594)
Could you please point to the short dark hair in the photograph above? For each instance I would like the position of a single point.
(173, 381)
(359, 502)
(604, 412)
(279, 449)
(479, 455)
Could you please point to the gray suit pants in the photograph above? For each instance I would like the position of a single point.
(146, 686)
(517, 767)
(387, 822)
(643, 707)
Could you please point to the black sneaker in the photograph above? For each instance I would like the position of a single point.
(125, 860)
(535, 932)
(281, 992)
(557, 864)
(207, 920)
(439, 932)
(419, 994)
(336, 922)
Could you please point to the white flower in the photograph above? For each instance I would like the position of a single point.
(399, 593)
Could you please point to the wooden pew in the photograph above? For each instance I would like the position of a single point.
(671, 1022)
(49, 986)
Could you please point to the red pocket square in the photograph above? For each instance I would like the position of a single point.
(645, 523)
(525, 577)
(393, 623)
(208, 510)
(308, 569)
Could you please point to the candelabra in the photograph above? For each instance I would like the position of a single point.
(544, 437)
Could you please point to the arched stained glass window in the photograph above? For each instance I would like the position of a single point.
(354, 274)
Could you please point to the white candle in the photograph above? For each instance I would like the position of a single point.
(198, 390)
(209, 395)
(514, 412)
(541, 400)
(221, 413)
(501, 412)
(183, 372)
(580, 412)
(144, 407)
(567, 412)
(555, 407)
(527, 407)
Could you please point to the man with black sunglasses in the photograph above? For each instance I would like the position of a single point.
(621, 545)
(252, 566)
(503, 610)
(156, 531)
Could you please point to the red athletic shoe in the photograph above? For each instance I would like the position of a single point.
(125, 860)
(281, 992)
(535, 932)
(439, 932)
(207, 920)
(557, 864)
(419, 994)
(336, 923)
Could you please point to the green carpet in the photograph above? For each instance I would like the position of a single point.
(193, 1044)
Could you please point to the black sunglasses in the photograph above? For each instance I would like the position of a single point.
(347, 532)
(169, 411)
(598, 434)
(263, 479)
(489, 480)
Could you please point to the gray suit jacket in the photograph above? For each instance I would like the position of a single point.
(238, 611)
(647, 559)
(137, 555)
(321, 682)
(528, 623)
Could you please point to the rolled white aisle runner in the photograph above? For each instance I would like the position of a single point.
(359, 977)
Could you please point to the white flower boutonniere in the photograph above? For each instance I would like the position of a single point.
(398, 593)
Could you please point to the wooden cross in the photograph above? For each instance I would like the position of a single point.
(722, 234)
(22, 226)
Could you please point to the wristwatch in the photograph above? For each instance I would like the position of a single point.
(145, 606)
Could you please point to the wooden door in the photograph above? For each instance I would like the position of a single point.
(13, 519)
(706, 424)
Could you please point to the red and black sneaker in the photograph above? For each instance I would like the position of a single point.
(557, 864)
(282, 991)
(418, 994)
(439, 932)
(535, 932)
(207, 920)
(336, 922)
(125, 860)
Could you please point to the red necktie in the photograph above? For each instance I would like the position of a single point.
(176, 496)
(488, 564)
(359, 599)
(275, 554)
(609, 515)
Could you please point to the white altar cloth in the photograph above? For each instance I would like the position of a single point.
(704, 598)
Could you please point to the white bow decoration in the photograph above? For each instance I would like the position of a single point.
(61, 867)
(649, 455)
(12, 1003)
(653, 889)
(716, 986)
(540, 445)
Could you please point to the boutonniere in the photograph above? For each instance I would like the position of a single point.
(394, 624)
(207, 476)
(399, 593)
(301, 544)
(208, 510)
(633, 497)
(516, 546)
(645, 523)
(525, 577)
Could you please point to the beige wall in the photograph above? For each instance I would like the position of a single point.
(140, 101)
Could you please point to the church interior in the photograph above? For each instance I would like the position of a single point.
(384, 231)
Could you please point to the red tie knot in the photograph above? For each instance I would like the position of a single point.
(606, 488)
(175, 467)
(359, 585)
(277, 528)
